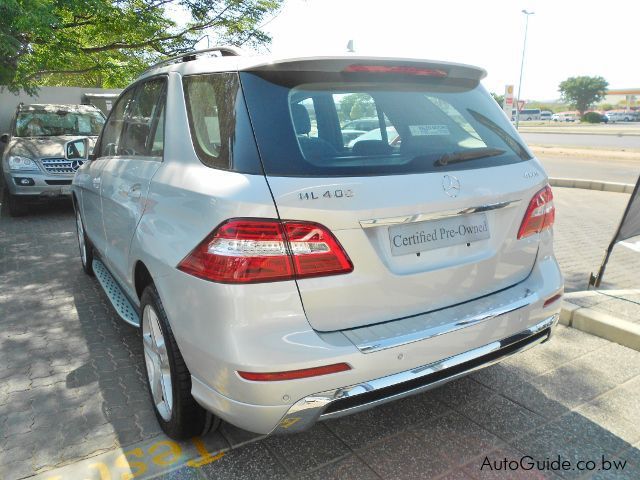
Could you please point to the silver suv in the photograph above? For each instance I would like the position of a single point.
(41, 153)
(281, 277)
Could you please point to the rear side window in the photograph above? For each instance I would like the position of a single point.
(221, 132)
(210, 106)
(323, 124)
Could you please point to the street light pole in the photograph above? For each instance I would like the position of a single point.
(524, 48)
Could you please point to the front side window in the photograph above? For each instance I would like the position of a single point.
(111, 135)
(143, 126)
(54, 122)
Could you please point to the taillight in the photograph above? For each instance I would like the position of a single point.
(250, 251)
(540, 214)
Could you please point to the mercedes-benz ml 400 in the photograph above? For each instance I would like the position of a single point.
(283, 273)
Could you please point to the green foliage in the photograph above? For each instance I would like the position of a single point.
(582, 92)
(498, 98)
(107, 43)
(591, 117)
(357, 105)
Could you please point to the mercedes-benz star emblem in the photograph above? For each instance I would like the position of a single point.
(451, 185)
(76, 164)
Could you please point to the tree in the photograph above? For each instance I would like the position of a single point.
(107, 43)
(498, 98)
(357, 105)
(582, 92)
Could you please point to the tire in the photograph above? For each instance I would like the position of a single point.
(16, 206)
(178, 414)
(86, 249)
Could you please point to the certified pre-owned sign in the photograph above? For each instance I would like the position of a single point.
(422, 236)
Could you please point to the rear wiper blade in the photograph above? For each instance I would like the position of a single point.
(466, 155)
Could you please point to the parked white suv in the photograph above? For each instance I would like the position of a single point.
(281, 277)
(619, 116)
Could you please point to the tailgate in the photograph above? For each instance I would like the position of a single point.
(427, 206)
(435, 271)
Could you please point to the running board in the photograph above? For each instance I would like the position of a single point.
(116, 296)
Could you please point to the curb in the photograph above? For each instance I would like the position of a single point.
(600, 324)
(592, 185)
(550, 130)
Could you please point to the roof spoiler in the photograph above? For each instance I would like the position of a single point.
(409, 66)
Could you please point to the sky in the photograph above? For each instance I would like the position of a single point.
(565, 37)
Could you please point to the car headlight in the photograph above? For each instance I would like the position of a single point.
(17, 162)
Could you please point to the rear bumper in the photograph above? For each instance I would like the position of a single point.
(337, 402)
(409, 361)
(345, 401)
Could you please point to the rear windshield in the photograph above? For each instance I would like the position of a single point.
(325, 124)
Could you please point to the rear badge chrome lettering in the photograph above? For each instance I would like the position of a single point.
(531, 174)
(337, 193)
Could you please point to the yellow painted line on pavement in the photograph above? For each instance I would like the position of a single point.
(144, 460)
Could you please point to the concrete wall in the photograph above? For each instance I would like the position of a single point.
(69, 95)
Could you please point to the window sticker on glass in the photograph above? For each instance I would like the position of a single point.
(419, 130)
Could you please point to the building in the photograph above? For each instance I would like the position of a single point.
(627, 97)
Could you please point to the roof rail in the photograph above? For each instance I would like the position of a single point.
(224, 50)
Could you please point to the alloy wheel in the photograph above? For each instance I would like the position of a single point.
(157, 363)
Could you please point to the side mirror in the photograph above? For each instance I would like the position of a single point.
(76, 149)
(4, 138)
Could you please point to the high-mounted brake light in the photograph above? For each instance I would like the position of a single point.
(540, 214)
(295, 374)
(403, 69)
(251, 251)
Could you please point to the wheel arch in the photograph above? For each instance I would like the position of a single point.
(141, 278)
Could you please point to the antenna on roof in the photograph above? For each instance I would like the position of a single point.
(350, 47)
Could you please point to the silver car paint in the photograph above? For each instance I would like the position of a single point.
(386, 287)
(37, 148)
(223, 328)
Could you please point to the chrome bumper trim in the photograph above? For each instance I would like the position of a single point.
(422, 217)
(363, 396)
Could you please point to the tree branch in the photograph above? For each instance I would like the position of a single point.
(62, 72)
(156, 40)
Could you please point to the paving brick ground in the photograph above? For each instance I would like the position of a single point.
(585, 223)
(71, 379)
(622, 304)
